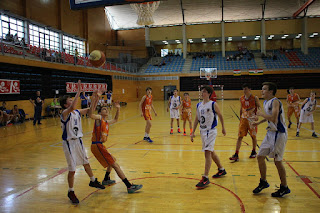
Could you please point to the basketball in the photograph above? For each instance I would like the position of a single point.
(97, 58)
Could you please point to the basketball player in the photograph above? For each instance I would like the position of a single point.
(207, 112)
(145, 106)
(72, 143)
(248, 108)
(306, 114)
(186, 113)
(275, 141)
(293, 100)
(99, 136)
(174, 105)
(109, 98)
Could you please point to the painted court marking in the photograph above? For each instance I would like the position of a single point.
(228, 190)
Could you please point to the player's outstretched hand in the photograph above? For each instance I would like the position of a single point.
(117, 104)
(192, 136)
(224, 131)
(259, 113)
(79, 86)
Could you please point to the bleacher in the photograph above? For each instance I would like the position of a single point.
(294, 59)
(222, 64)
(172, 64)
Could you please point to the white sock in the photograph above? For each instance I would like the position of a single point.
(70, 189)
(313, 131)
(146, 135)
(221, 169)
(92, 178)
(206, 176)
(298, 130)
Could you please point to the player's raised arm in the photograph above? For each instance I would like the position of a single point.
(94, 103)
(216, 108)
(116, 117)
(73, 105)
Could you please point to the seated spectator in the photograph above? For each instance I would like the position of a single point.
(23, 42)
(16, 39)
(6, 118)
(16, 117)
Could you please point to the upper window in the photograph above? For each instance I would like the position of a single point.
(44, 38)
(70, 44)
(11, 26)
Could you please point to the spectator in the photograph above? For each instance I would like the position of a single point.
(76, 54)
(4, 117)
(16, 39)
(38, 102)
(84, 101)
(16, 117)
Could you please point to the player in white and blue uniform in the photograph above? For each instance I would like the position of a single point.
(207, 115)
(72, 144)
(274, 143)
(306, 113)
(174, 105)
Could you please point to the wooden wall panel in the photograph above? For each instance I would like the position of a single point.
(165, 33)
(44, 12)
(203, 30)
(157, 87)
(134, 37)
(242, 28)
(284, 26)
(125, 90)
(71, 20)
(16, 7)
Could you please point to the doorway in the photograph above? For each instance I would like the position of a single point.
(168, 91)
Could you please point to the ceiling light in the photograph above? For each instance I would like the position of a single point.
(244, 36)
(286, 35)
(311, 36)
(177, 40)
(164, 41)
(256, 39)
(271, 36)
(299, 34)
(257, 36)
(229, 37)
(315, 34)
(191, 41)
(283, 37)
(203, 38)
(216, 40)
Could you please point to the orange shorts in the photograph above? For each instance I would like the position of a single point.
(295, 110)
(102, 155)
(186, 114)
(147, 114)
(244, 128)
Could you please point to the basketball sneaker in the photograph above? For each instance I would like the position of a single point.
(73, 198)
(108, 182)
(297, 134)
(171, 131)
(179, 130)
(96, 184)
(314, 135)
(204, 182)
(253, 154)
(184, 133)
(220, 173)
(262, 185)
(289, 124)
(282, 191)
(148, 139)
(134, 188)
(234, 158)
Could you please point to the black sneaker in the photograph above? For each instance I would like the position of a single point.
(220, 173)
(289, 124)
(262, 185)
(96, 184)
(282, 191)
(134, 188)
(234, 157)
(314, 135)
(73, 198)
(253, 154)
(204, 182)
(297, 134)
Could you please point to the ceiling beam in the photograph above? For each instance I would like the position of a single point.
(304, 7)
(182, 11)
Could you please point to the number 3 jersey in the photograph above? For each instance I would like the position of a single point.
(71, 127)
(207, 115)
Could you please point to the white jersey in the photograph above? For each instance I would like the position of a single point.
(280, 126)
(175, 102)
(309, 105)
(207, 115)
(71, 127)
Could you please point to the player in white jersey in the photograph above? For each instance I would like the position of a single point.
(275, 140)
(306, 113)
(73, 148)
(207, 115)
(174, 105)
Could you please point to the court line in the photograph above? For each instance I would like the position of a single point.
(305, 180)
(228, 190)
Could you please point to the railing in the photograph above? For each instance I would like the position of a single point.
(43, 54)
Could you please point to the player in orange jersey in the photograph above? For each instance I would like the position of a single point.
(99, 136)
(293, 100)
(145, 106)
(186, 112)
(248, 109)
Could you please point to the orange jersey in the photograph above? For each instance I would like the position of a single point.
(292, 98)
(100, 131)
(249, 107)
(186, 104)
(147, 103)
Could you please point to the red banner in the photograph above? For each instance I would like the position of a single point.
(9, 86)
(72, 87)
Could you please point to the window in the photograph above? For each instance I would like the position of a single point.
(70, 44)
(11, 26)
(44, 38)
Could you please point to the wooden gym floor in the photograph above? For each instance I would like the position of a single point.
(33, 169)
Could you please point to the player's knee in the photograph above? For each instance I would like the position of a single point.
(261, 158)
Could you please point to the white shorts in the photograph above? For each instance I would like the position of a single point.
(274, 145)
(304, 118)
(208, 138)
(75, 153)
(174, 113)
(108, 101)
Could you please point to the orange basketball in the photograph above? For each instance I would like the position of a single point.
(97, 58)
